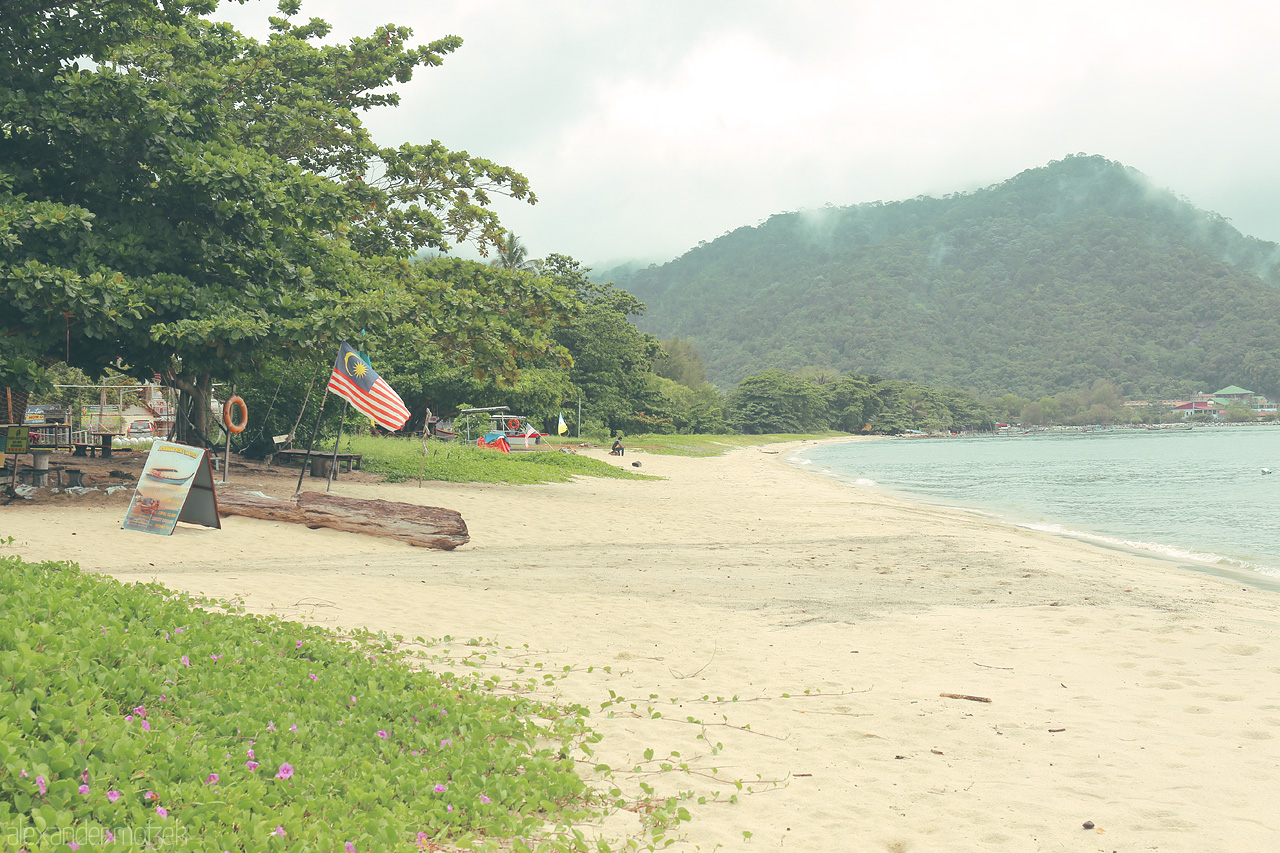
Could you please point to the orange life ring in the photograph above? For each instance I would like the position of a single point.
(233, 425)
(513, 424)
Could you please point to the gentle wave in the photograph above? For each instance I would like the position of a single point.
(1166, 551)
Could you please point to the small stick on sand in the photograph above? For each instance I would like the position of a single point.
(962, 696)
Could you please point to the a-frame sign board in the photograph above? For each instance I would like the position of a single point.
(176, 485)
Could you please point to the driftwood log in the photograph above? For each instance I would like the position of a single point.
(423, 526)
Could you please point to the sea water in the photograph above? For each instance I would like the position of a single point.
(1197, 496)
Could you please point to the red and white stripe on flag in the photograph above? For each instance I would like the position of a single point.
(380, 402)
(354, 380)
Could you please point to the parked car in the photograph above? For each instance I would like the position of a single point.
(141, 429)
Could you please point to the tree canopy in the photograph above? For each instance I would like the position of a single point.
(194, 201)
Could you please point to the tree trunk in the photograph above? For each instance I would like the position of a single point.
(422, 526)
(194, 394)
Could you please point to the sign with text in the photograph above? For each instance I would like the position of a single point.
(16, 439)
(176, 485)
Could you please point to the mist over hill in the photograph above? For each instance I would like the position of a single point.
(1060, 276)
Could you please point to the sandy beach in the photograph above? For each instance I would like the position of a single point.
(1125, 691)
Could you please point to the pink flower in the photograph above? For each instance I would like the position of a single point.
(382, 734)
(445, 742)
(312, 676)
(279, 830)
(449, 808)
(351, 848)
(439, 789)
(185, 662)
(146, 725)
(162, 811)
(251, 753)
(73, 845)
(422, 838)
(212, 780)
(40, 783)
(110, 835)
(252, 765)
(112, 796)
(293, 728)
(140, 711)
(128, 718)
(23, 774)
(149, 795)
(84, 789)
(84, 777)
(285, 772)
(485, 799)
(300, 646)
(271, 726)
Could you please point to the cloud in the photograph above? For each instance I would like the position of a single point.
(646, 127)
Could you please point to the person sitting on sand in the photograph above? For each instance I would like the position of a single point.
(618, 449)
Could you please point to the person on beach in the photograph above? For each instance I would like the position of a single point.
(618, 449)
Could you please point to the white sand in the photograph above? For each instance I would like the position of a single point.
(1124, 690)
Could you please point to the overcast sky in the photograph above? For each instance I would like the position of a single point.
(646, 126)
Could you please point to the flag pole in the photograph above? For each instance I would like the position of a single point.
(306, 460)
(333, 461)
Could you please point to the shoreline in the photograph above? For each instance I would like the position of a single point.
(1124, 690)
(1235, 570)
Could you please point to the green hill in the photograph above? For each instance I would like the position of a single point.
(1061, 276)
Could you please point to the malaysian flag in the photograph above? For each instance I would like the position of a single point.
(355, 381)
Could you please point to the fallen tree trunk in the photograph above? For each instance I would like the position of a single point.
(423, 526)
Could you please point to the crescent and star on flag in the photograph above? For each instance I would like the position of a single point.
(360, 368)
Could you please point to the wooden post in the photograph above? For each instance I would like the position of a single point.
(226, 453)
(306, 460)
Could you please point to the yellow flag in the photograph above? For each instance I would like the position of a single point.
(562, 429)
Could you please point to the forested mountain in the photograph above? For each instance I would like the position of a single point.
(1061, 276)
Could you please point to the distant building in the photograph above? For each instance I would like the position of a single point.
(1196, 407)
(1234, 395)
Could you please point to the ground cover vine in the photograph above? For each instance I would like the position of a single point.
(135, 713)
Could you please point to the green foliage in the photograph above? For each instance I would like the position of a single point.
(24, 374)
(400, 459)
(777, 401)
(132, 709)
(198, 201)
(680, 361)
(688, 410)
(612, 359)
(1100, 404)
(1051, 281)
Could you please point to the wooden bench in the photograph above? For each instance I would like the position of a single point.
(40, 476)
(346, 461)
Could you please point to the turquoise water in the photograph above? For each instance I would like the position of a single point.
(1196, 496)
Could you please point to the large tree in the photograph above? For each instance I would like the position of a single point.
(195, 201)
(612, 359)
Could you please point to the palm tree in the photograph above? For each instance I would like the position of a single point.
(512, 254)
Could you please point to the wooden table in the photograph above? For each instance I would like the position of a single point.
(104, 442)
